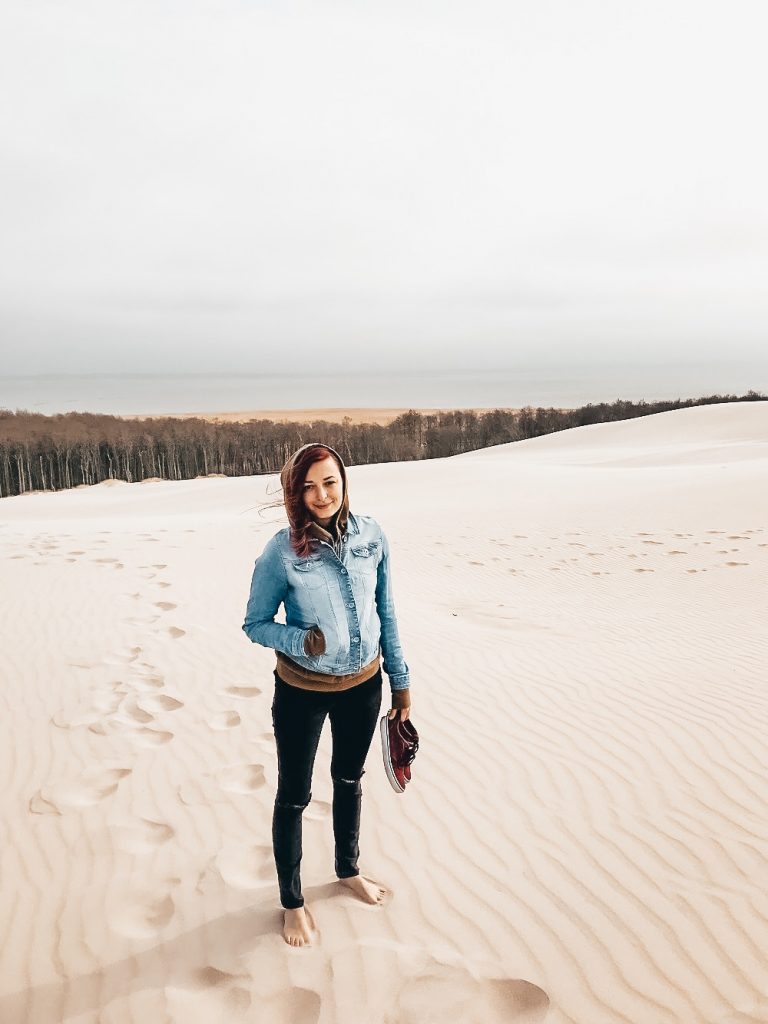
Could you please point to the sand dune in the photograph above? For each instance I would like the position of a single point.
(586, 836)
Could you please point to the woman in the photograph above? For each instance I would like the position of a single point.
(330, 569)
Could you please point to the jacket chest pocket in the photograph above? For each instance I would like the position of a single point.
(364, 559)
(310, 573)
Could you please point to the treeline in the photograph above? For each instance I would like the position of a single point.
(51, 453)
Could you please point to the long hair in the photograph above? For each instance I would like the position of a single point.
(292, 477)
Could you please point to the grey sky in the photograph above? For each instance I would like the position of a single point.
(192, 185)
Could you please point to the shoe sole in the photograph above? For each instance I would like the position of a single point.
(384, 730)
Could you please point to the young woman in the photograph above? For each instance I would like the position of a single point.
(331, 570)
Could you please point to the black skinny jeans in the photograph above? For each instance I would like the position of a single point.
(297, 717)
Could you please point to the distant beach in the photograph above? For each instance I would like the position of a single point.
(335, 415)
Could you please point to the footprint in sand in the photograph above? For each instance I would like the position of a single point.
(132, 722)
(142, 836)
(674, 551)
(225, 720)
(652, 542)
(736, 563)
(644, 570)
(90, 788)
(120, 659)
(165, 606)
(243, 692)
(436, 994)
(149, 682)
(130, 713)
(143, 913)
(242, 778)
(425, 989)
(175, 632)
(245, 866)
(150, 737)
(159, 702)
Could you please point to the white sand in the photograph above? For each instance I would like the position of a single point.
(586, 836)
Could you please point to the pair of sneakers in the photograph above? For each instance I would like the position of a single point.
(399, 743)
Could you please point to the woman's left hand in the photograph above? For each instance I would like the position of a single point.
(403, 712)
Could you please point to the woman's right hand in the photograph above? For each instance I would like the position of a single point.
(314, 641)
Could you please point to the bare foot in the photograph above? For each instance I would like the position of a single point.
(298, 927)
(368, 890)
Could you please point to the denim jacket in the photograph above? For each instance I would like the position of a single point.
(349, 598)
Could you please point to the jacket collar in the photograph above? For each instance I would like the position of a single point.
(320, 533)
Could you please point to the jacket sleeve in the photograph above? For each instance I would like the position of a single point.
(269, 586)
(391, 649)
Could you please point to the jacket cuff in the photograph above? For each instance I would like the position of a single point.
(399, 681)
(401, 698)
(297, 647)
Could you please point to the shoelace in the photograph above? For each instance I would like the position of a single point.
(411, 747)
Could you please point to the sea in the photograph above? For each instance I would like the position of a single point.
(125, 394)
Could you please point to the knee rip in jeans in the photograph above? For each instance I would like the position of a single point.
(292, 806)
(348, 782)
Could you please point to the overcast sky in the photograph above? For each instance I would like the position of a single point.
(385, 183)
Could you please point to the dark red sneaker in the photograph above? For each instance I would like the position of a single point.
(399, 743)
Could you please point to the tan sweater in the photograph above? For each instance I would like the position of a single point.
(305, 679)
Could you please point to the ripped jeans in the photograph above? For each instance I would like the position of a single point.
(298, 717)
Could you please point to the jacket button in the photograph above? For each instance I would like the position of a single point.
(355, 639)
(343, 572)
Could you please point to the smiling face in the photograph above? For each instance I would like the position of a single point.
(323, 490)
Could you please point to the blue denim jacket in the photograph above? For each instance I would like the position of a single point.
(350, 599)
